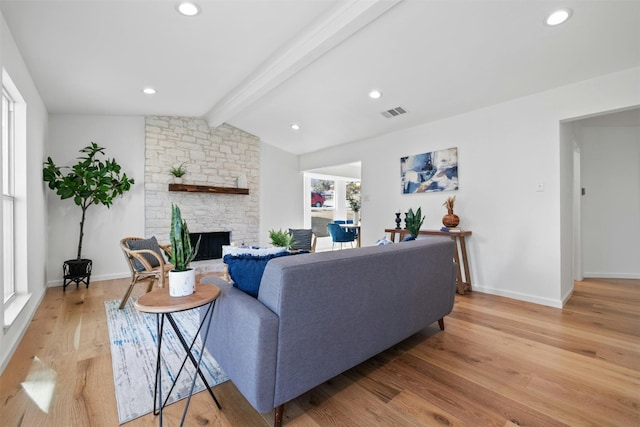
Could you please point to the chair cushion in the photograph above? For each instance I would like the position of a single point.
(301, 238)
(151, 244)
(246, 270)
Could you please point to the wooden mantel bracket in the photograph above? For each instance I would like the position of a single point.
(190, 188)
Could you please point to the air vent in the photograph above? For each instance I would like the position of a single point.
(394, 112)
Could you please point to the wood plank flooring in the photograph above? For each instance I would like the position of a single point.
(499, 362)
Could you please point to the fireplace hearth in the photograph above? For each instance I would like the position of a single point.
(210, 244)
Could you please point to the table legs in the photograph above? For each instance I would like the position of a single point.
(158, 403)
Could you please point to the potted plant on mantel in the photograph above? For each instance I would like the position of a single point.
(178, 172)
(414, 222)
(91, 181)
(182, 279)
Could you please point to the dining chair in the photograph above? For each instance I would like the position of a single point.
(340, 235)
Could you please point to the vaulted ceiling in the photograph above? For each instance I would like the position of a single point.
(262, 65)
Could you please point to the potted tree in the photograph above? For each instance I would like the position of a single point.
(91, 181)
(414, 222)
(182, 279)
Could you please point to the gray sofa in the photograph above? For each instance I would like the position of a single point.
(319, 314)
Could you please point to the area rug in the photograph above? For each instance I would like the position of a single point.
(133, 337)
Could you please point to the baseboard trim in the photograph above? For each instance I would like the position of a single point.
(94, 278)
(588, 274)
(520, 296)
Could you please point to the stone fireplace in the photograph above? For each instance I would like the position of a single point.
(212, 157)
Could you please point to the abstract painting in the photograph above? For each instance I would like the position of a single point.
(434, 171)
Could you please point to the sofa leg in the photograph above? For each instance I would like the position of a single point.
(441, 323)
(277, 418)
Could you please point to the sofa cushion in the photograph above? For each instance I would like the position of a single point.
(246, 270)
(151, 244)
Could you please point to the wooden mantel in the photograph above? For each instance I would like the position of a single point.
(190, 188)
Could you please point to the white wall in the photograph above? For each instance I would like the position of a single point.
(504, 152)
(32, 219)
(611, 205)
(281, 192)
(123, 138)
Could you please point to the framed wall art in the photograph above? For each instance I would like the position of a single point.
(427, 172)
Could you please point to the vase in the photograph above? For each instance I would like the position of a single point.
(242, 181)
(450, 219)
(182, 283)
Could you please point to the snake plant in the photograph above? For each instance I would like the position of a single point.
(182, 253)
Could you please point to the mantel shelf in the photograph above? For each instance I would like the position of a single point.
(190, 188)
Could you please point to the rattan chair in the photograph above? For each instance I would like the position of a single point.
(141, 268)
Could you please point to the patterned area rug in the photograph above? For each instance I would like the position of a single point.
(133, 337)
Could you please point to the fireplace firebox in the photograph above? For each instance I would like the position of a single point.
(210, 244)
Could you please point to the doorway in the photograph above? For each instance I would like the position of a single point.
(331, 193)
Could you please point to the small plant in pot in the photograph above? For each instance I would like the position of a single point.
(91, 181)
(182, 279)
(281, 238)
(178, 172)
(414, 222)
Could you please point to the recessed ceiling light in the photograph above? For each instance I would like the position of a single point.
(188, 9)
(149, 90)
(375, 94)
(558, 17)
(295, 126)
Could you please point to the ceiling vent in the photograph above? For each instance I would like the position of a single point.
(394, 112)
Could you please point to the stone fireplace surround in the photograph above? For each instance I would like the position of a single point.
(212, 156)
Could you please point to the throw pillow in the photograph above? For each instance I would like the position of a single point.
(246, 270)
(384, 241)
(301, 238)
(408, 238)
(251, 250)
(151, 244)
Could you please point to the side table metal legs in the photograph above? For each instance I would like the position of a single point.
(158, 403)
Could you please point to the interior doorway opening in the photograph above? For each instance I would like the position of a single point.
(331, 194)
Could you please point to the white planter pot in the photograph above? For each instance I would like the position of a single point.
(182, 283)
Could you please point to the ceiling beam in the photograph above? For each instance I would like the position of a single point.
(327, 32)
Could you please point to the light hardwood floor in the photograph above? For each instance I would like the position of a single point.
(499, 362)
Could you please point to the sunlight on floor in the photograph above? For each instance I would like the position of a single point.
(40, 384)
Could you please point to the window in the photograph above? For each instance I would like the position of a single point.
(16, 293)
(8, 195)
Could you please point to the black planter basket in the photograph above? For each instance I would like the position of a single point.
(76, 270)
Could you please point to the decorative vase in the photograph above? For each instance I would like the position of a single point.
(450, 219)
(182, 283)
(356, 217)
(242, 181)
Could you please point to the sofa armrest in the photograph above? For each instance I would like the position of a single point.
(243, 339)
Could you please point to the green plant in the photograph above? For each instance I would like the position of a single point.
(178, 171)
(181, 253)
(91, 181)
(414, 221)
(281, 238)
(355, 204)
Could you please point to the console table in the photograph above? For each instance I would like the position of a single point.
(460, 250)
